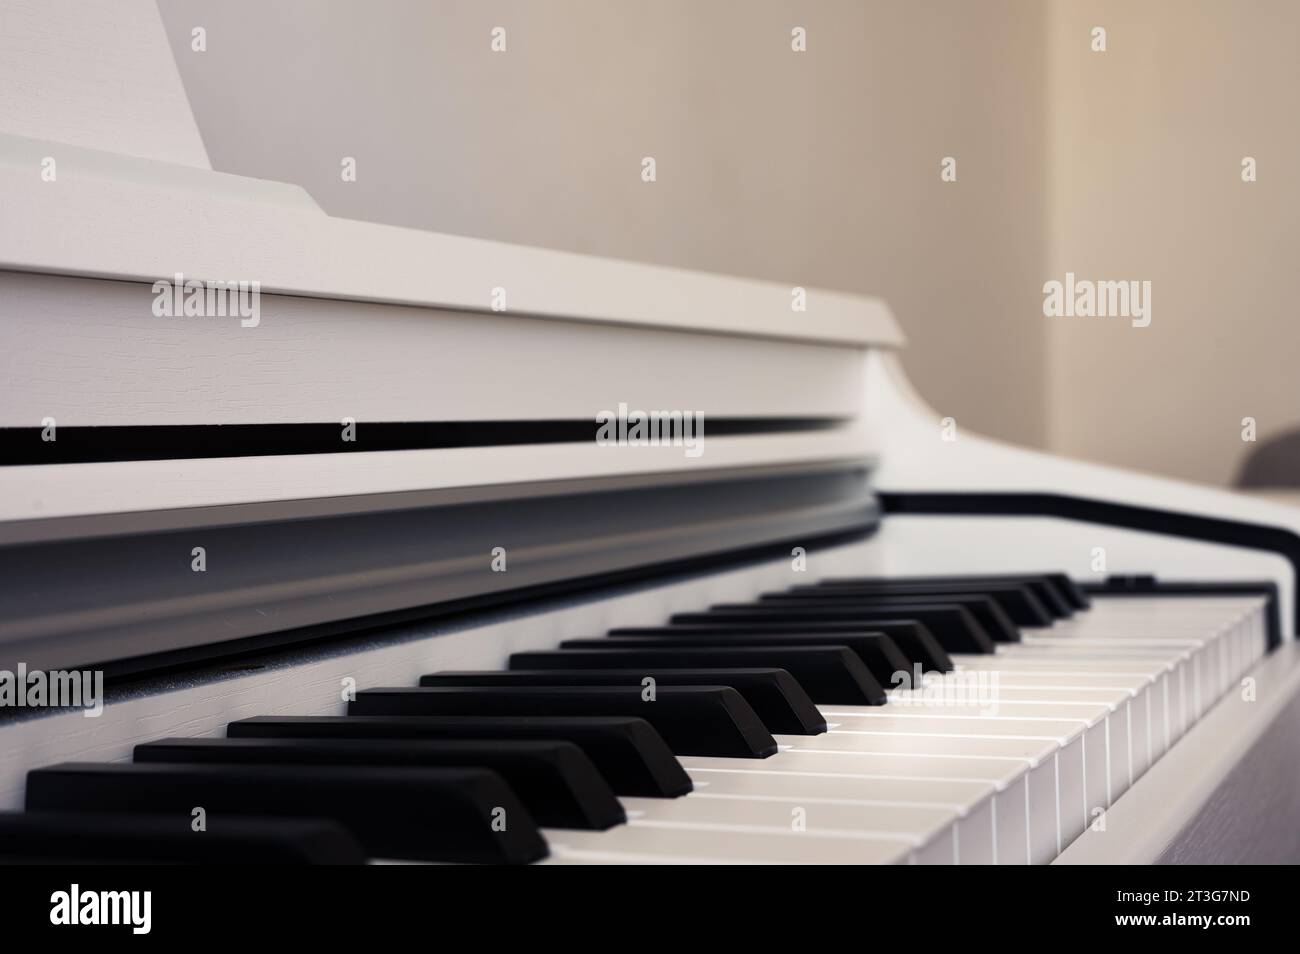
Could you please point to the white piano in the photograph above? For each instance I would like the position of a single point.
(356, 540)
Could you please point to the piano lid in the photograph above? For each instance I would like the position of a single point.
(103, 174)
(122, 217)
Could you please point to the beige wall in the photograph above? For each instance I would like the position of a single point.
(816, 168)
(822, 168)
(1145, 169)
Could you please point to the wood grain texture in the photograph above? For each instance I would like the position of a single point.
(90, 352)
(1252, 817)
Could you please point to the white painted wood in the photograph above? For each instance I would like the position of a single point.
(138, 224)
(94, 73)
(61, 490)
(80, 164)
(89, 352)
(916, 458)
(910, 544)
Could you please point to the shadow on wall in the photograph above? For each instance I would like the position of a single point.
(1273, 464)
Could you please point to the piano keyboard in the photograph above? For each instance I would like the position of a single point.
(958, 720)
(295, 582)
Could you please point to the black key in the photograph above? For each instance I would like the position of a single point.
(829, 674)
(774, 694)
(912, 638)
(1070, 590)
(629, 753)
(956, 629)
(986, 612)
(1132, 582)
(1040, 587)
(1048, 594)
(555, 780)
(1059, 585)
(694, 720)
(877, 651)
(109, 838)
(1016, 600)
(435, 814)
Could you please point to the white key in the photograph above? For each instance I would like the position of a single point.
(969, 802)
(1007, 803)
(1024, 698)
(666, 842)
(921, 827)
(1149, 736)
(1077, 712)
(1052, 781)
(1100, 763)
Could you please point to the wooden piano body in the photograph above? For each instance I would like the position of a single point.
(465, 368)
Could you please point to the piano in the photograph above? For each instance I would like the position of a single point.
(357, 542)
